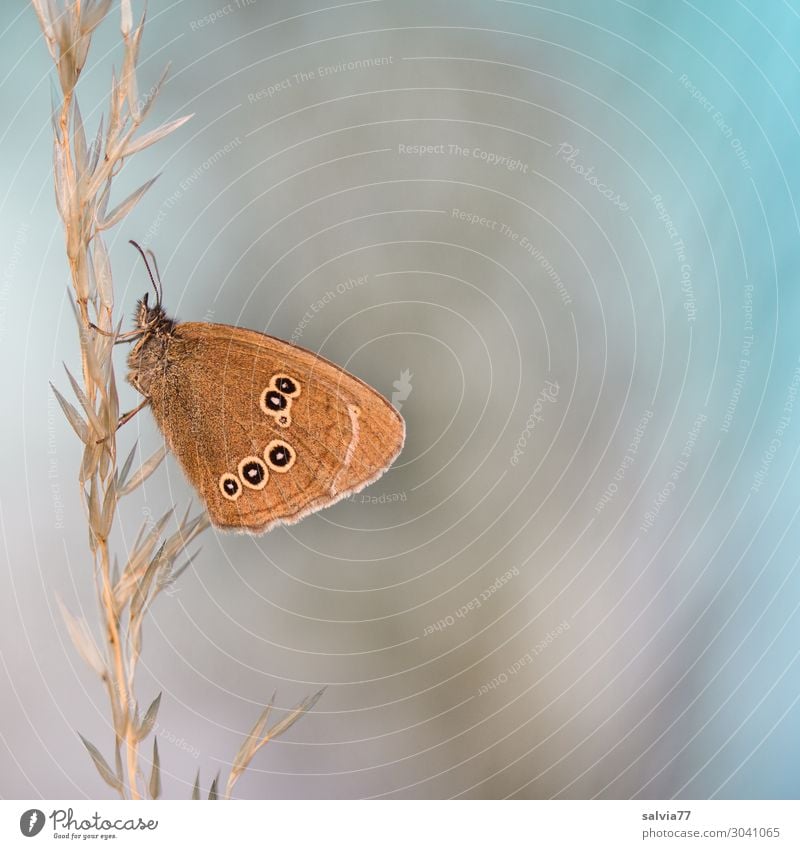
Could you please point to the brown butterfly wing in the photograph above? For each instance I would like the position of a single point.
(334, 435)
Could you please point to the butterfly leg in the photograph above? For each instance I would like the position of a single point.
(124, 419)
(120, 338)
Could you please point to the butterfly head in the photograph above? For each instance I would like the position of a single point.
(151, 319)
(153, 330)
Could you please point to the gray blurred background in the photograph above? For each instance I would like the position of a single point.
(579, 579)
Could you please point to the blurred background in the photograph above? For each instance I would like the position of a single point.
(572, 229)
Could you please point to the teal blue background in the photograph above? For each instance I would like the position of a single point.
(678, 674)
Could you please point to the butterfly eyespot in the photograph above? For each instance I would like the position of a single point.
(280, 456)
(273, 401)
(253, 473)
(285, 384)
(284, 420)
(229, 486)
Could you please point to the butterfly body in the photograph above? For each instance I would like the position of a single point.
(265, 431)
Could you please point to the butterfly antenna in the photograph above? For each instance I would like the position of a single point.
(152, 257)
(149, 271)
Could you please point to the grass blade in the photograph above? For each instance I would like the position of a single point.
(126, 17)
(149, 718)
(287, 722)
(107, 511)
(82, 640)
(126, 467)
(155, 774)
(93, 14)
(122, 209)
(101, 266)
(143, 585)
(80, 152)
(150, 98)
(91, 414)
(95, 148)
(179, 571)
(143, 473)
(106, 773)
(255, 740)
(73, 416)
(154, 136)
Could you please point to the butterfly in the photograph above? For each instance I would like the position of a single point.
(266, 432)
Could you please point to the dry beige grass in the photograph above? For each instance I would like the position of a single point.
(84, 175)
